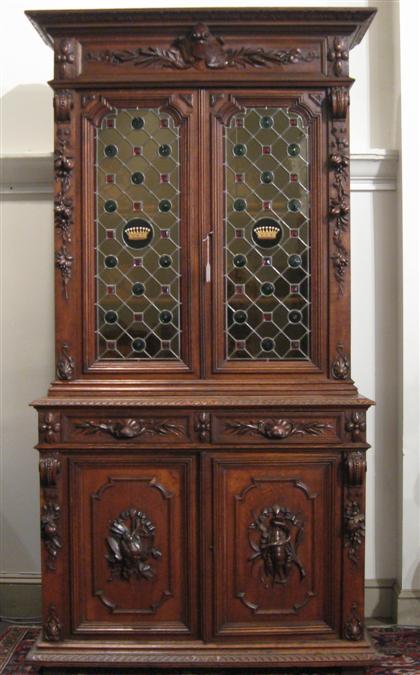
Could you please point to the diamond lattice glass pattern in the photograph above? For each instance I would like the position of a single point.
(267, 276)
(137, 236)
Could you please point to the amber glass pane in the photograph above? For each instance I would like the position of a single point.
(137, 236)
(267, 281)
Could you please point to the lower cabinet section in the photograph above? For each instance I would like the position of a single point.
(276, 550)
(133, 555)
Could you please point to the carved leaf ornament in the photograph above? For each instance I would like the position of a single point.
(201, 49)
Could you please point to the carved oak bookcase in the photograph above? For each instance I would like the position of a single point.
(202, 448)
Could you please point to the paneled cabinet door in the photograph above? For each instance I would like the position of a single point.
(276, 549)
(133, 546)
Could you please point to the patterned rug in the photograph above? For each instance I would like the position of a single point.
(399, 645)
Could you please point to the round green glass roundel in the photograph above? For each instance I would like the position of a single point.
(137, 123)
(111, 261)
(267, 177)
(295, 260)
(165, 261)
(164, 150)
(239, 260)
(111, 317)
(266, 122)
(138, 345)
(239, 150)
(137, 178)
(240, 316)
(111, 150)
(293, 149)
(267, 344)
(239, 204)
(294, 205)
(165, 205)
(165, 316)
(267, 288)
(295, 316)
(110, 206)
(138, 288)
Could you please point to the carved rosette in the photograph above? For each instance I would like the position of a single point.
(203, 426)
(356, 426)
(52, 627)
(338, 55)
(130, 428)
(50, 427)
(67, 58)
(65, 364)
(274, 537)
(131, 545)
(354, 529)
(200, 49)
(277, 429)
(353, 628)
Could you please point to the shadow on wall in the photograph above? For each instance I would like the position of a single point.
(27, 120)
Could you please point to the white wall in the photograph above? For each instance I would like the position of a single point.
(27, 271)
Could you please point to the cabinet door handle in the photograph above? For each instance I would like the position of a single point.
(207, 272)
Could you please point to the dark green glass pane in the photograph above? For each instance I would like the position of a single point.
(295, 316)
(294, 205)
(137, 178)
(240, 316)
(239, 150)
(266, 122)
(165, 261)
(110, 206)
(239, 260)
(139, 345)
(165, 205)
(137, 123)
(267, 288)
(164, 150)
(138, 288)
(239, 204)
(295, 260)
(267, 344)
(111, 261)
(111, 150)
(267, 177)
(111, 316)
(293, 149)
(165, 316)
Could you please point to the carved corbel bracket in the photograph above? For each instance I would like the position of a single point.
(49, 470)
(63, 105)
(68, 58)
(339, 102)
(355, 468)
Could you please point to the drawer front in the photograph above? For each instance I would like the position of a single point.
(276, 553)
(133, 546)
(138, 428)
(279, 428)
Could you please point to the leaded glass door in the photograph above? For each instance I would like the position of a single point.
(141, 315)
(267, 223)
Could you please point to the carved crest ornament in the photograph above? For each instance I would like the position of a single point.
(277, 429)
(130, 428)
(274, 536)
(130, 546)
(199, 48)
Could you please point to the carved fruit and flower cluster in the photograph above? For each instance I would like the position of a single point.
(131, 545)
(201, 49)
(354, 529)
(274, 536)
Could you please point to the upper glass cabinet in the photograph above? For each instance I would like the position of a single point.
(266, 235)
(138, 243)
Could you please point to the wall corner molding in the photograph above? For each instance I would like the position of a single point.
(32, 174)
